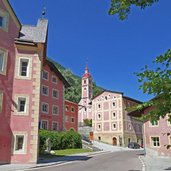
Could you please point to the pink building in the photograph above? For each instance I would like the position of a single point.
(71, 115)
(25, 76)
(9, 30)
(155, 134)
(111, 124)
(86, 96)
(52, 98)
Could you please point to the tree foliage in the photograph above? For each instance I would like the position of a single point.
(88, 122)
(157, 82)
(123, 7)
(59, 140)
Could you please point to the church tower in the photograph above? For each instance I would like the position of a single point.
(86, 96)
(87, 92)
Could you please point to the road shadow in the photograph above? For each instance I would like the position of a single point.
(63, 159)
(169, 168)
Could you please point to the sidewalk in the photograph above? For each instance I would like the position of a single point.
(156, 164)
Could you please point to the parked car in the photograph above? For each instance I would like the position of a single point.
(133, 145)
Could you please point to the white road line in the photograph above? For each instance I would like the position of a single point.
(143, 164)
(49, 166)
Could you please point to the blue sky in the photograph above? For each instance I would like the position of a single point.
(81, 29)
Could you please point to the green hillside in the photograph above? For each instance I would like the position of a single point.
(73, 93)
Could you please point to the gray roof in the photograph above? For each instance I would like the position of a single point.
(36, 34)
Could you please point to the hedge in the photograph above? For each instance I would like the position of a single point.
(59, 140)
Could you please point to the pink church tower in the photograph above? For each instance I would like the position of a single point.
(86, 96)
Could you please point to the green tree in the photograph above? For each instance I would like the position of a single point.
(156, 81)
(123, 7)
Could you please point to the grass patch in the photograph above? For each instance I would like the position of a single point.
(66, 152)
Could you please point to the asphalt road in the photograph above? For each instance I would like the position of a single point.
(116, 161)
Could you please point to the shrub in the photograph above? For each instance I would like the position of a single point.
(59, 140)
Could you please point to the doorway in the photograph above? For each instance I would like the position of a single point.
(114, 141)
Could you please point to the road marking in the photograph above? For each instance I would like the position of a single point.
(48, 166)
(143, 164)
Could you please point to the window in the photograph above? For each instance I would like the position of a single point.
(67, 108)
(113, 104)
(45, 75)
(55, 93)
(20, 143)
(54, 110)
(45, 90)
(99, 106)
(44, 107)
(24, 65)
(72, 120)
(114, 126)
(3, 61)
(54, 79)
(21, 104)
(54, 126)
(1, 21)
(129, 127)
(1, 101)
(154, 123)
(72, 109)
(114, 114)
(44, 124)
(99, 126)
(155, 141)
(4, 17)
(99, 116)
(84, 81)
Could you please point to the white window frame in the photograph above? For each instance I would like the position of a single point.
(152, 142)
(57, 128)
(44, 86)
(168, 122)
(113, 126)
(23, 59)
(4, 53)
(44, 71)
(19, 104)
(24, 149)
(114, 102)
(155, 125)
(47, 123)
(57, 94)
(112, 112)
(44, 103)
(5, 21)
(1, 100)
(99, 128)
(16, 108)
(55, 106)
(129, 127)
(55, 82)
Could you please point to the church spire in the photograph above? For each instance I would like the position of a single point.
(86, 73)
